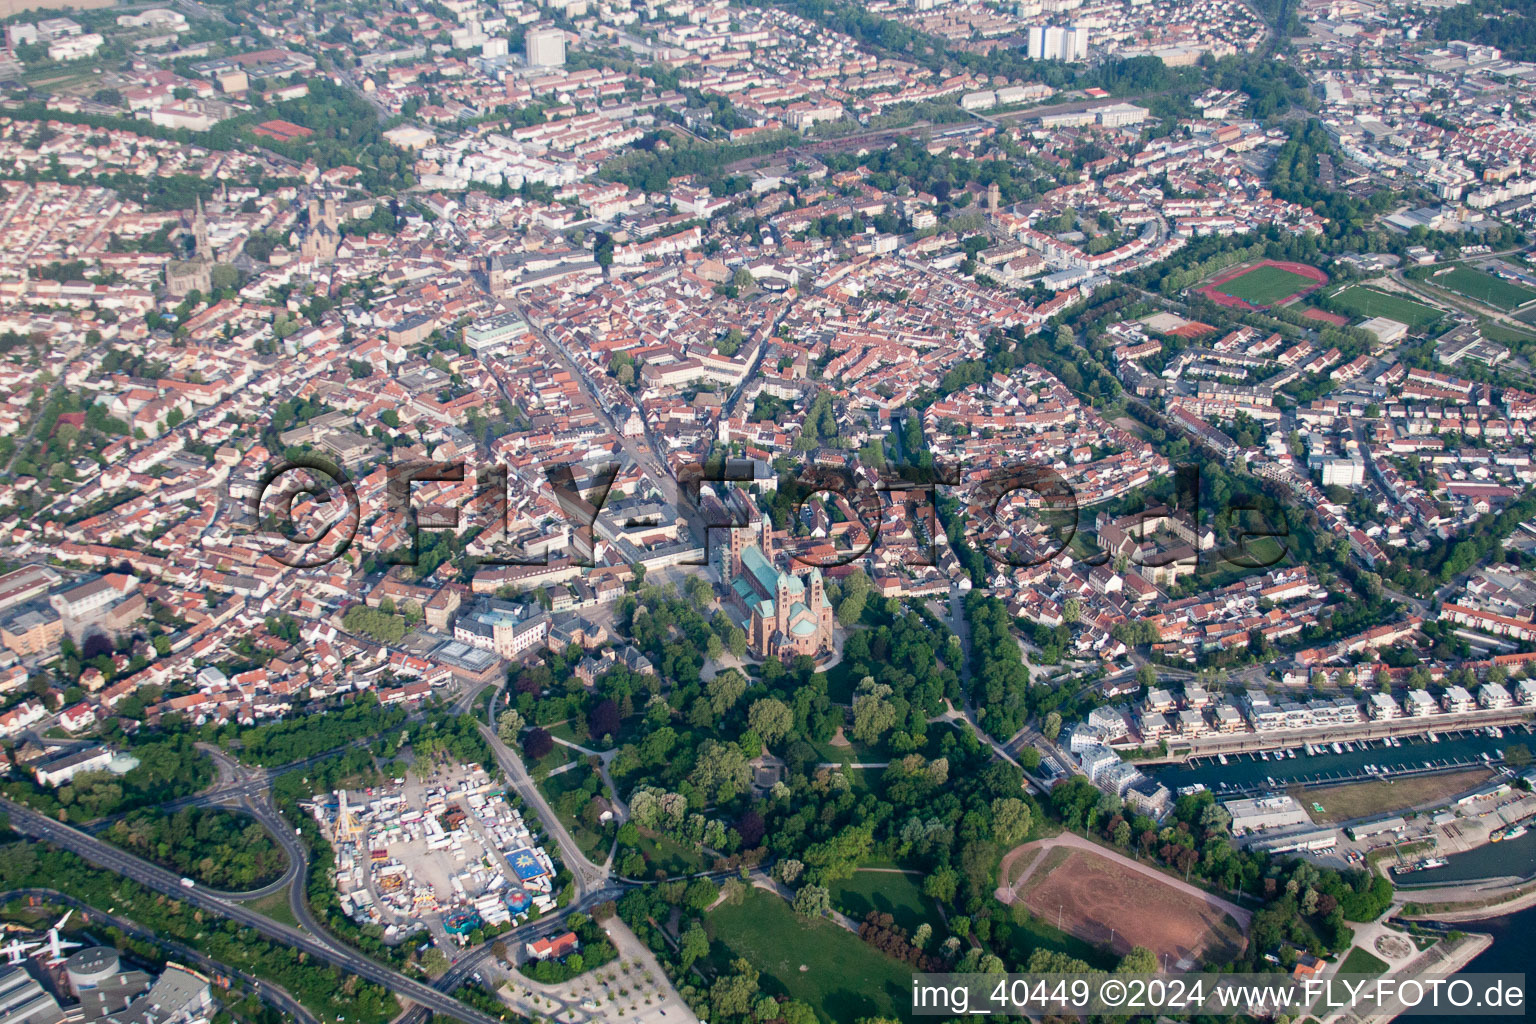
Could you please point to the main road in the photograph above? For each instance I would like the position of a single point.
(650, 457)
(587, 875)
(270, 993)
(236, 782)
(104, 855)
(476, 960)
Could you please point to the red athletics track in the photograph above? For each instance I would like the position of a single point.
(1221, 298)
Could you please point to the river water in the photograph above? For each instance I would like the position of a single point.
(1514, 935)
(1511, 952)
(1512, 857)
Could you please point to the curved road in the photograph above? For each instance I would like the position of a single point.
(248, 790)
(273, 995)
(104, 855)
(241, 782)
(587, 875)
(475, 960)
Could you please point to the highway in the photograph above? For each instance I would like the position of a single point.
(273, 995)
(104, 855)
(249, 790)
(239, 784)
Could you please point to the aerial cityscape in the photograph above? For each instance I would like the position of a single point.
(568, 511)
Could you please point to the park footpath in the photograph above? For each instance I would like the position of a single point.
(1438, 961)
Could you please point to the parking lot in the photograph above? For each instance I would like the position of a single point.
(631, 988)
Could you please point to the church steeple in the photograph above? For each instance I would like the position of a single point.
(200, 232)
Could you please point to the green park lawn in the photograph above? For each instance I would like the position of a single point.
(1362, 961)
(899, 895)
(564, 731)
(549, 762)
(843, 978)
(1259, 552)
(1031, 933)
(671, 856)
(276, 907)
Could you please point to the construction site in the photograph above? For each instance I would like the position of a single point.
(447, 853)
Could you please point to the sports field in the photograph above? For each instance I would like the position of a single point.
(1265, 284)
(1090, 895)
(1483, 287)
(1369, 302)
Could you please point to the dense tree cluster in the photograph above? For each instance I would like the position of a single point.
(1508, 24)
(651, 168)
(216, 847)
(999, 679)
(168, 768)
(294, 739)
(347, 133)
(375, 623)
(327, 991)
(881, 931)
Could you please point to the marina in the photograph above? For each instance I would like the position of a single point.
(1510, 858)
(1245, 774)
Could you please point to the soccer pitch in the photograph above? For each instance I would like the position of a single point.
(1263, 286)
(1369, 302)
(1483, 287)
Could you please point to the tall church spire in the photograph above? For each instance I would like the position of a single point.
(200, 232)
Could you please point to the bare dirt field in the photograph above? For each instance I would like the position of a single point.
(1103, 901)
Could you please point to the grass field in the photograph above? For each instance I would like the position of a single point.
(1217, 571)
(560, 755)
(1031, 933)
(1264, 285)
(276, 907)
(1090, 895)
(554, 787)
(1362, 961)
(671, 856)
(899, 895)
(816, 962)
(1369, 302)
(565, 732)
(853, 753)
(1362, 799)
(1483, 287)
(1504, 334)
